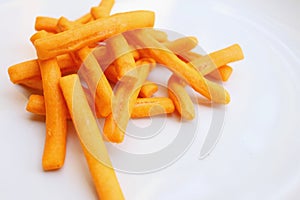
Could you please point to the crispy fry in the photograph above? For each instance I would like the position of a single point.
(56, 112)
(111, 74)
(180, 97)
(49, 23)
(40, 34)
(29, 70)
(124, 60)
(144, 107)
(35, 84)
(123, 101)
(180, 45)
(84, 18)
(91, 33)
(148, 89)
(222, 73)
(56, 126)
(98, 160)
(227, 55)
(103, 10)
(207, 64)
(147, 107)
(24, 71)
(45, 23)
(36, 104)
(162, 55)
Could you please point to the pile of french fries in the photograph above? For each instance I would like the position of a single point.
(113, 54)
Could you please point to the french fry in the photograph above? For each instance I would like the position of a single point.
(222, 73)
(123, 101)
(28, 70)
(147, 107)
(207, 64)
(45, 23)
(49, 23)
(184, 44)
(35, 84)
(84, 18)
(162, 55)
(124, 60)
(227, 55)
(144, 107)
(56, 112)
(56, 126)
(148, 89)
(104, 177)
(24, 71)
(91, 33)
(36, 104)
(181, 99)
(103, 10)
(111, 74)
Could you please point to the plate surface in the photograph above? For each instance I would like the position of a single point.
(257, 156)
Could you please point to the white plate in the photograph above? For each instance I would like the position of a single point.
(257, 156)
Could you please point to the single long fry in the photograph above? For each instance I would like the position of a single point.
(181, 99)
(123, 102)
(182, 44)
(91, 33)
(98, 160)
(56, 120)
(144, 107)
(55, 144)
(162, 55)
(25, 71)
(56, 114)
